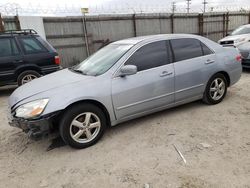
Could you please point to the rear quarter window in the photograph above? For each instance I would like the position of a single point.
(205, 49)
(46, 44)
(32, 46)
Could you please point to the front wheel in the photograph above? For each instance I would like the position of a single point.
(82, 125)
(216, 89)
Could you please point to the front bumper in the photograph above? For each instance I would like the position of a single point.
(246, 63)
(36, 129)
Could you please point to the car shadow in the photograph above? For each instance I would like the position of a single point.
(7, 90)
(157, 115)
(246, 70)
(57, 142)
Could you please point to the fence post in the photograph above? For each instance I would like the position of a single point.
(17, 22)
(200, 23)
(85, 33)
(172, 23)
(134, 25)
(227, 21)
(249, 17)
(224, 25)
(1, 23)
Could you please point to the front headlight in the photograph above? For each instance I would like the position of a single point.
(240, 40)
(31, 109)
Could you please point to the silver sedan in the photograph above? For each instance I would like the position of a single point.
(122, 81)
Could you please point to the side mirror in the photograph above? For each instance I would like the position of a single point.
(128, 70)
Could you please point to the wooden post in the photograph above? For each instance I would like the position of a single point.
(172, 23)
(249, 17)
(85, 32)
(17, 22)
(200, 24)
(1, 23)
(224, 25)
(227, 21)
(134, 25)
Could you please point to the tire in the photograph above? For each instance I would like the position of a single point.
(75, 128)
(210, 96)
(27, 76)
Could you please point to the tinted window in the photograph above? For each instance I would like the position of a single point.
(149, 56)
(31, 45)
(8, 47)
(205, 49)
(186, 48)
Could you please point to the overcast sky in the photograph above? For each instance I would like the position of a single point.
(118, 6)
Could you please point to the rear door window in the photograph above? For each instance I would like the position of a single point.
(8, 47)
(149, 56)
(186, 48)
(32, 45)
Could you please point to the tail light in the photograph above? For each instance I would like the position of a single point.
(238, 58)
(57, 60)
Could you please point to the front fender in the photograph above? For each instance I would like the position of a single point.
(62, 97)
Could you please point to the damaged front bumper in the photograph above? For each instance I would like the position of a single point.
(36, 128)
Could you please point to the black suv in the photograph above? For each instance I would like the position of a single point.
(24, 56)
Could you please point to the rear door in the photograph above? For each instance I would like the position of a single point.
(193, 63)
(10, 58)
(151, 87)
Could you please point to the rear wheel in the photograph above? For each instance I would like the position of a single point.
(82, 125)
(27, 76)
(216, 89)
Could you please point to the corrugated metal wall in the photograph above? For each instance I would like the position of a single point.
(66, 34)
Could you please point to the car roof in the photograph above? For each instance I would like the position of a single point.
(147, 38)
(246, 25)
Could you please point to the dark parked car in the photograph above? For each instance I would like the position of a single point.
(24, 56)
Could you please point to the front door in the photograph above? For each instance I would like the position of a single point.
(150, 88)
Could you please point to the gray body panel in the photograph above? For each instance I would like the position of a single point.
(136, 95)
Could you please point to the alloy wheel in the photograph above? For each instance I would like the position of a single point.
(27, 78)
(217, 89)
(85, 127)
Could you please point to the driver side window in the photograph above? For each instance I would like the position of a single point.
(149, 56)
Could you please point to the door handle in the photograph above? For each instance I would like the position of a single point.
(165, 73)
(209, 61)
(18, 61)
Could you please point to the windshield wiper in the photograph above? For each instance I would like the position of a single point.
(77, 70)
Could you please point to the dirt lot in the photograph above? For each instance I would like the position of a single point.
(215, 140)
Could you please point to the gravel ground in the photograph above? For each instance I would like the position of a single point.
(215, 141)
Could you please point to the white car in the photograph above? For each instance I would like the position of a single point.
(239, 36)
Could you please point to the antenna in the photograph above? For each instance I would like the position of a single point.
(188, 5)
(204, 5)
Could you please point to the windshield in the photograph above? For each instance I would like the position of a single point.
(241, 30)
(102, 60)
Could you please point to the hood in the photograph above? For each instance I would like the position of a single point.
(235, 37)
(45, 83)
